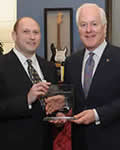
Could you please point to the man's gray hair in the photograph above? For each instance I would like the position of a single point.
(102, 13)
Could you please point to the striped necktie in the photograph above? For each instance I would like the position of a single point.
(32, 72)
(34, 77)
(88, 73)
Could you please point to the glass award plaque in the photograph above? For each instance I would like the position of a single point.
(61, 89)
(59, 118)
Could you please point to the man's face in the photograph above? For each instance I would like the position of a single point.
(92, 31)
(27, 37)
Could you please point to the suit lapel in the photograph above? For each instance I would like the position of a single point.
(102, 69)
(47, 74)
(81, 62)
(19, 70)
(42, 67)
(78, 72)
(78, 64)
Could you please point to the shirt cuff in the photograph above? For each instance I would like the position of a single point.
(29, 106)
(66, 106)
(97, 119)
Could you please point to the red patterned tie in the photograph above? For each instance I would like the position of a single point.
(62, 139)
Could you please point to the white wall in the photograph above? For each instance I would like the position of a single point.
(116, 22)
(8, 13)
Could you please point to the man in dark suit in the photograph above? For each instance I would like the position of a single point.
(97, 112)
(21, 113)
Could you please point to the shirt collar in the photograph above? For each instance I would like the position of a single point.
(22, 58)
(98, 51)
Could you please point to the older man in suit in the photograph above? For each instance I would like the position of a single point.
(21, 113)
(97, 101)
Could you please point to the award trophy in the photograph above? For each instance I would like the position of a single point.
(61, 89)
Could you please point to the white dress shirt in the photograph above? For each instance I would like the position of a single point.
(97, 55)
(24, 63)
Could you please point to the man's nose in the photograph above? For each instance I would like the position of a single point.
(32, 36)
(89, 28)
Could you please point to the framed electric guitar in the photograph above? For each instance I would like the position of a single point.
(58, 53)
(58, 33)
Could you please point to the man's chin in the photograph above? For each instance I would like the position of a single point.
(31, 51)
(90, 47)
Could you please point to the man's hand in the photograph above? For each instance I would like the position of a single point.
(37, 90)
(54, 103)
(59, 122)
(85, 117)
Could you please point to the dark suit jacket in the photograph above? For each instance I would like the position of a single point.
(104, 96)
(20, 127)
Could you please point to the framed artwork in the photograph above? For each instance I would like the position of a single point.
(109, 19)
(58, 33)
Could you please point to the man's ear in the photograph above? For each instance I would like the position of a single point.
(105, 30)
(13, 34)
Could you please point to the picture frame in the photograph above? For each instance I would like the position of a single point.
(108, 5)
(58, 33)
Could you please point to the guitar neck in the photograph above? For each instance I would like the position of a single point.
(58, 37)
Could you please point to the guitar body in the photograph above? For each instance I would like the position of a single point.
(60, 55)
(53, 50)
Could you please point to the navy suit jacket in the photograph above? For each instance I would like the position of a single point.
(104, 96)
(20, 127)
